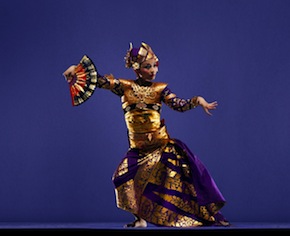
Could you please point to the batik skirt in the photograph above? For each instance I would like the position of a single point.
(169, 186)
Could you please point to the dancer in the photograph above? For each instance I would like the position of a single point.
(159, 180)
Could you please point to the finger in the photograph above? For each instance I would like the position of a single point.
(207, 111)
(68, 77)
(211, 107)
(66, 73)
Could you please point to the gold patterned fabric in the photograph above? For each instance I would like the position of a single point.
(159, 188)
(159, 178)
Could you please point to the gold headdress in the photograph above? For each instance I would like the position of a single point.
(135, 56)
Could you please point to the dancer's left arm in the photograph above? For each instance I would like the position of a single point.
(182, 105)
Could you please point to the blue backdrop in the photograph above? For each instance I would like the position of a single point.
(57, 160)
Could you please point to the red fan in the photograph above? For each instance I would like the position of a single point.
(84, 83)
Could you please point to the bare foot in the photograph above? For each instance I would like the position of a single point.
(138, 223)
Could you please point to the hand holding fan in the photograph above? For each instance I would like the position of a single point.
(82, 80)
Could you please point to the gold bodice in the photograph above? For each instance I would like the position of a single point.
(142, 105)
(142, 121)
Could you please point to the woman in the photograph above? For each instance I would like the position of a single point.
(160, 181)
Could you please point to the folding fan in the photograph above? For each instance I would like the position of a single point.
(83, 85)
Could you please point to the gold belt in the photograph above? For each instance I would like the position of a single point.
(150, 140)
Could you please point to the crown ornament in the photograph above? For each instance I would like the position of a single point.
(136, 56)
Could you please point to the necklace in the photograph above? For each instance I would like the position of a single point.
(143, 92)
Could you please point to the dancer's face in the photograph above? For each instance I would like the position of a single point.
(148, 69)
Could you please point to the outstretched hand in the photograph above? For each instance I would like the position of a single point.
(69, 73)
(207, 106)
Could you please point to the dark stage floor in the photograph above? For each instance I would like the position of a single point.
(117, 228)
